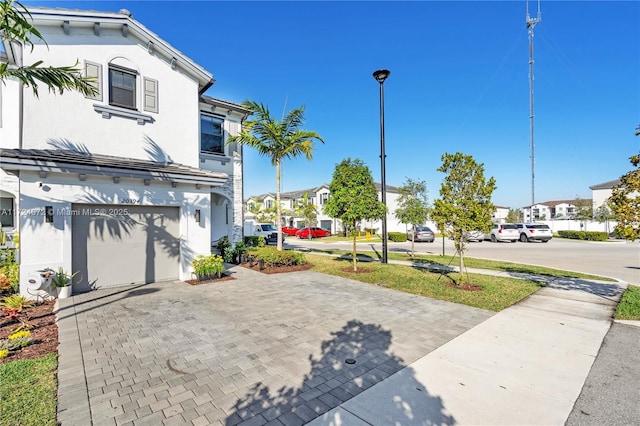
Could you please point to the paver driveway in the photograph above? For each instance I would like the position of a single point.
(255, 350)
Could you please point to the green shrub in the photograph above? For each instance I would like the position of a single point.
(372, 231)
(584, 235)
(17, 302)
(272, 257)
(224, 245)
(255, 241)
(9, 272)
(398, 237)
(208, 267)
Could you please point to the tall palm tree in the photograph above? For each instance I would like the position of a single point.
(277, 140)
(16, 28)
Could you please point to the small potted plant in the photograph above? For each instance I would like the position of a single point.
(63, 282)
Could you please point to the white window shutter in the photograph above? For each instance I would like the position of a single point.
(150, 94)
(94, 71)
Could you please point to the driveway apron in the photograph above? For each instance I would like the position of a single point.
(260, 349)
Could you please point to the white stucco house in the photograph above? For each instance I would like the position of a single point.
(127, 186)
(500, 214)
(600, 193)
(318, 196)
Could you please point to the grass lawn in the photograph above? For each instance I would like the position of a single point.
(629, 306)
(471, 262)
(28, 389)
(498, 292)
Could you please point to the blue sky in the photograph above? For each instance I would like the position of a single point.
(459, 82)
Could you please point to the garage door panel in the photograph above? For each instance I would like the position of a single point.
(141, 247)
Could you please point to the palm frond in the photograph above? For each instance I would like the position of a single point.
(55, 78)
(15, 25)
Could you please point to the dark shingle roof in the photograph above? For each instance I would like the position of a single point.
(606, 185)
(71, 161)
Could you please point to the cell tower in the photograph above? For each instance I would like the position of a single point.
(531, 23)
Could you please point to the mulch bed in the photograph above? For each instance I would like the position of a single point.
(464, 286)
(278, 269)
(223, 278)
(44, 332)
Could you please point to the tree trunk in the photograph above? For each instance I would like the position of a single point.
(413, 241)
(354, 255)
(278, 207)
(461, 267)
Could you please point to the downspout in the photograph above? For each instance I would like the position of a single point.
(20, 115)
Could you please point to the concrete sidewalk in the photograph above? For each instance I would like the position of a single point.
(525, 365)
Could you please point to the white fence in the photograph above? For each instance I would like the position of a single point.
(579, 225)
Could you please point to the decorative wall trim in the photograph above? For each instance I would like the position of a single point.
(107, 111)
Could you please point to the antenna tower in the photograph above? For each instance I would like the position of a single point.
(531, 23)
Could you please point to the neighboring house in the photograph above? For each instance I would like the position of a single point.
(318, 196)
(551, 210)
(500, 214)
(601, 192)
(127, 186)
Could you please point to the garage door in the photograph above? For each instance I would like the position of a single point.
(119, 245)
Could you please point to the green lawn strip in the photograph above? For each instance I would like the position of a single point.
(471, 262)
(498, 292)
(28, 389)
(629, 306)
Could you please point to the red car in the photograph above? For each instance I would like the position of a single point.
(315, 233)
(289, 230)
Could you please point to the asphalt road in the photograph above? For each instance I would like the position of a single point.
(618, 259)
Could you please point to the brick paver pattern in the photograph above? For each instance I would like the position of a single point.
(260, 349)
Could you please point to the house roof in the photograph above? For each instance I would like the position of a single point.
(223, 105)
(67, 19)
(294, 195)
(606, 185)
(558, 202)
(68, 161)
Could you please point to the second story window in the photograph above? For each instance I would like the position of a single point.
(122, 87)
(268, 204)
(211, 134)
(324, 197)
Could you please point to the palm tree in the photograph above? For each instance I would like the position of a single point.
(15, 28)
(277, 140)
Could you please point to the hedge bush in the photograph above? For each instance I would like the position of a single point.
(397, 237)
(271, 256)
(584, 235)
(255, 241)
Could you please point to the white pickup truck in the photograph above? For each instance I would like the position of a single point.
(266, 230)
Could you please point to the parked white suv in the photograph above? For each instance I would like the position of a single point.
(534, 232)
(504, 232)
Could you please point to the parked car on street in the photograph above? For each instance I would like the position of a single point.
(474, 236)
(289, 230)
(534, 232)
(504, 232)
(313, 232)
(423, 233)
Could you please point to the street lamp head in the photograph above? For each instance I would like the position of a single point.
(381, 75)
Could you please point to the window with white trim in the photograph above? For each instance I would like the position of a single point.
(122, 87)
(6, 212)
(211, 134)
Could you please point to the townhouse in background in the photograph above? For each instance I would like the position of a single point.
(551, 210)
(600, 193)
(127, 186)
(319, 195)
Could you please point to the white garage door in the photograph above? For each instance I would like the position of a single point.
(118, 245)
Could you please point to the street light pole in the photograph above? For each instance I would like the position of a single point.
(381, 76)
